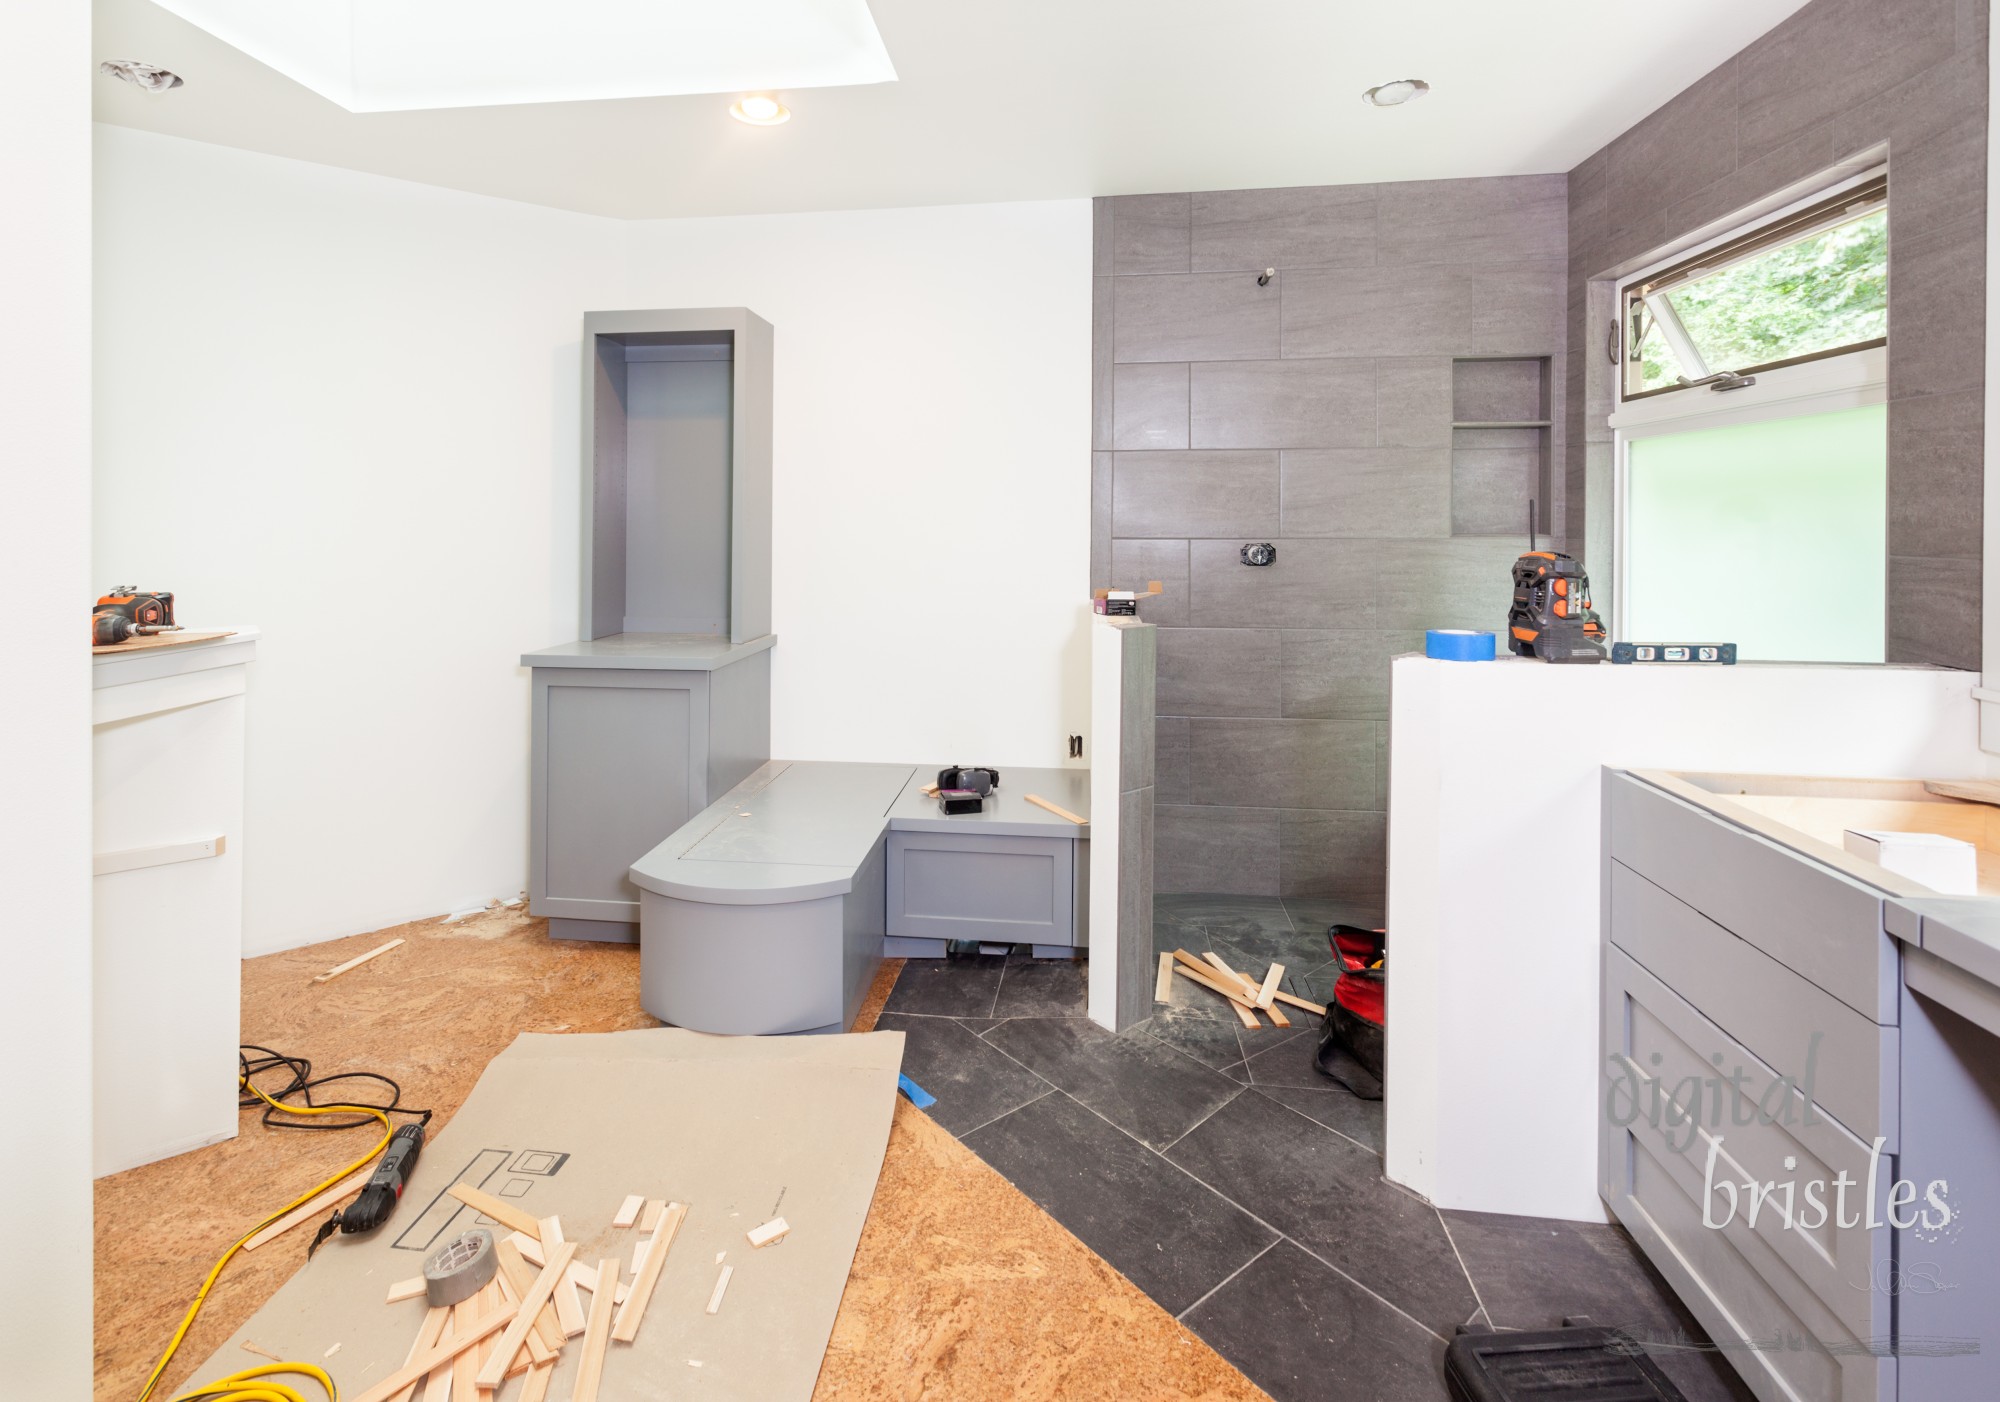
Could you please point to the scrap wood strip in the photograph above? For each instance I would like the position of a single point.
(1188, 967)
(1163, 986)
(547, 1328)
(338, 969)
(628, 1211)
(721, 1284)
(537, 1295)
(1251, 991)
(626, 1328)
(440, 1357)
(346, 1188)
(427, 1337)
(505, 1213)
(597, 1337)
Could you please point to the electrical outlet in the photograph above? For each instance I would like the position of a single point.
(1076, 747)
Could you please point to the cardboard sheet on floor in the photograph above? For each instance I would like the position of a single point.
(741, 1129)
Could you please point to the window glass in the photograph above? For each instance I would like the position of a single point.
(1821, 293)
(1769, 535)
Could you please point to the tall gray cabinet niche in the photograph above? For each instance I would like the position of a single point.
(664, 701)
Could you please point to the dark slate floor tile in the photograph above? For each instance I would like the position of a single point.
(1295, 1063)
(1327, 1193)
(1237, 923)
(1197, 1033)
(1042, 988)
(1341, 1111)
(973, 1083)
(980, 1025)
(1304, 1333)
(962, 987)
(1170, 1236)
(1315, 913)
(1134, 1081)
(1533, 1272)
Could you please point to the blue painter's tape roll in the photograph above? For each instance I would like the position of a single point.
(1458, 645)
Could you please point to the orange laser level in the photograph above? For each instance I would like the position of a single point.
(1551, 617)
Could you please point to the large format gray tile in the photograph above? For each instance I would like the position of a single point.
(1196, 1024)
(963, 986)
(1440, 583)
(1326, 1193)
(1413, 402)
(1499, 219)
(1940, 175)
(1366, 492)
(1683, 145)
(1936, 475)
(1196, 494)
(1311, 585)
(1483, 391)
(973, 1083)
(1136, 563)
(1333, 1106)
(1934, 612)
(1340, 673)
(1334, 853)
(1427, 309)
(1213, 908)
(1282, 404)
(1924, 106)
(1934, 273)
(1100, 520)
(1102, 400)
(1218, 672)
(1276, 763)
(1149, 234)
(1200, 848)
(1136, 811)
(1100, 236)
(1754, 188)
(1195, 316)
(1172, 782)
(1149, 406)
(1494, 473)
(1145, 1088)
(1161, 1229)
(1139, 673)
(1518, 309)
(1833, 55)
(1305, 1333)
(1532, 1273)
(1251, 230)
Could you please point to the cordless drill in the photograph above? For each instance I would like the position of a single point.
(128, 611)
(385, 1188)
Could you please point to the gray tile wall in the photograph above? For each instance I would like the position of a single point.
(1315, 413)
(1836, 80)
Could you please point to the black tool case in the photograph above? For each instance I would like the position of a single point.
(1581, 1364)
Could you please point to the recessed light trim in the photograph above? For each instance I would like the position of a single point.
(760, 110)
(146, 77)
(1395, 94)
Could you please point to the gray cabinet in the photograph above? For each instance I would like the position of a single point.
(664, 702)
(1010, 890)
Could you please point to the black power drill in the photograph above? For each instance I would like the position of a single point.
(385, 1188)
(128, 611)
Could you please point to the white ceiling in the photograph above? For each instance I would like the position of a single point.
(1013, 100)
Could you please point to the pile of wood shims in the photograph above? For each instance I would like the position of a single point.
(520, 1321)
(1247, 998)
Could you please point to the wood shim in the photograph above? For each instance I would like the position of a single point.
(1186, 968)
(506, 1214)
(721, 1284)
(1056, 809)
(346, 1188)
(1246, 989)
(569, 1305)
(628, 1211)
(465, 1365)
(441, 1356)
(651, 1221)
(431, 1331)
(587, 1277)
(263, 1352)
(1163, 986)
(1271, 977)
(532, 1300)
(596, 1338)
(536, 1388)
(773, 1230)
(634, 1309)
(338, 969)
(402, 1290)
(1314, 1008)
(513, 1267)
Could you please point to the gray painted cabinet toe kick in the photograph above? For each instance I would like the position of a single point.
(771, 911)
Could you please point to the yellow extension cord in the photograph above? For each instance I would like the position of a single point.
(243, 1386)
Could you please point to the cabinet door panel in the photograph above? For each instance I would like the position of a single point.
(619, 761)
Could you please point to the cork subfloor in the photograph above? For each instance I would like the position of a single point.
(961, 1289)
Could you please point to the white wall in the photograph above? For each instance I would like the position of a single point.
(45, 1303)
(1495, 773)
(344, 408)
(932, 471)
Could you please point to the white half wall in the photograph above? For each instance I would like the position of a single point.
(1495, 841)
(931, 468)
(343, 408)
(45, 1000)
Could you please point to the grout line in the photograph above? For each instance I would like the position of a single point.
(1460, 1257)
(998, 984)
(1366, 1148)
(1240, 1088)
(1182, 1316)
(1005, 1113)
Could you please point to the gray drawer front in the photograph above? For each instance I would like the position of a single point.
(1848, 1061)
(1015, 889)
(1749, 1283)
(1812, 920)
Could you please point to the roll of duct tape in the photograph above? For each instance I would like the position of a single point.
(1458, 645)
(460, 1268)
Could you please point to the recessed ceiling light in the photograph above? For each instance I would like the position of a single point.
(144, 76)
(760, 110)
(1397, 93)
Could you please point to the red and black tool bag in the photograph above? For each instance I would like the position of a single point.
(1350, 1037)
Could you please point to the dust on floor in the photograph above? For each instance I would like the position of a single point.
(961, 1289)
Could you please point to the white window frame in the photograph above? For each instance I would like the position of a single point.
(1830, 383)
